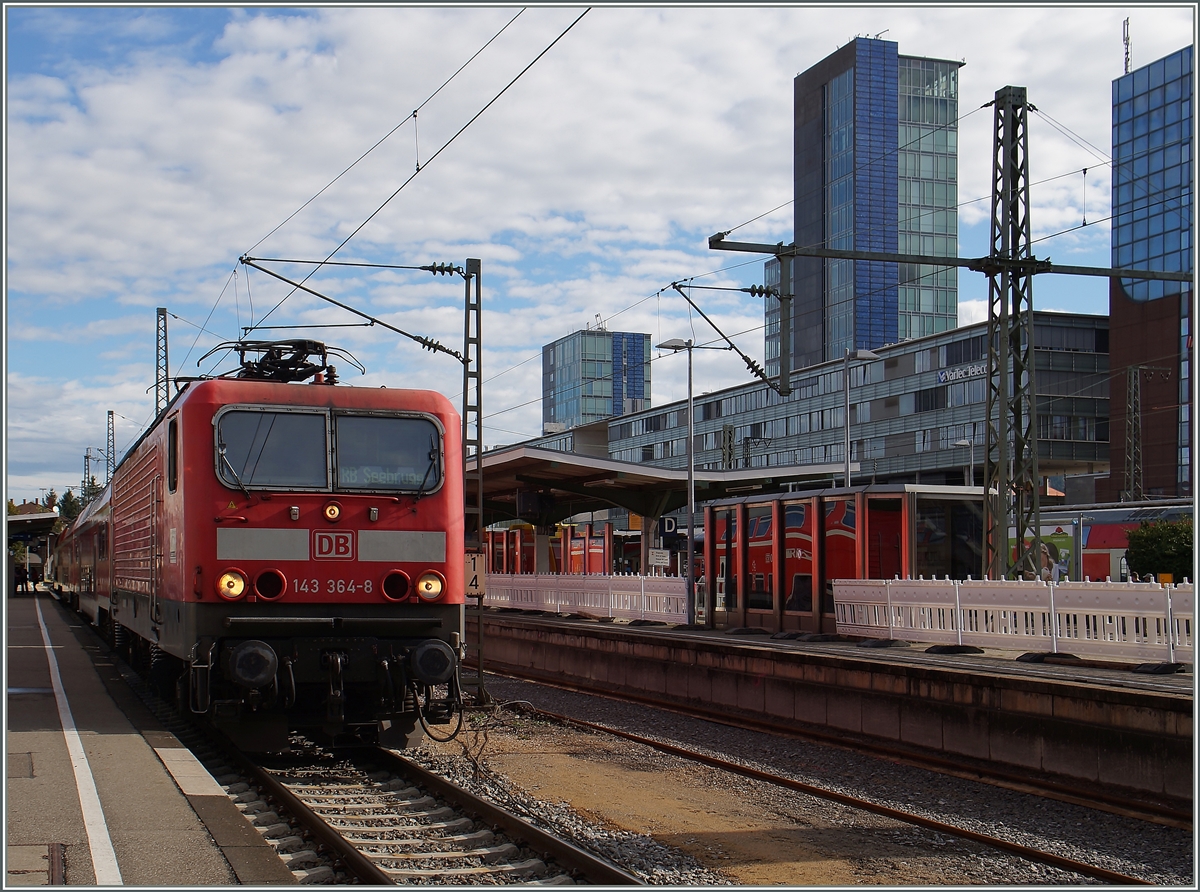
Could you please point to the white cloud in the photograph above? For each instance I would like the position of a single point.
(972, 311)
(137, 176)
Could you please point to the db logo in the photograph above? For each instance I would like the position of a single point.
(333, 546)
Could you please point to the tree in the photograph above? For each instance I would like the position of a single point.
(90, 490)
(12, 508)
(50, 500)
(1162, 547)
(69, 506)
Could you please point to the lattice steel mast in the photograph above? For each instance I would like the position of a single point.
(162, 394)
(110, 454)
(1134, 489)
(1133, 435)
(1011, 479)
(472, 418)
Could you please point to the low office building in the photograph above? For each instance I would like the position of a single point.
(917, 414)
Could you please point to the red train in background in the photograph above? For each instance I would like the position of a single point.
(284, 555)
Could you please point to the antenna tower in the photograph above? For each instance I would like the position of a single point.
(1128, 46)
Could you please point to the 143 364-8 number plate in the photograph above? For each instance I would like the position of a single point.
(334, 586)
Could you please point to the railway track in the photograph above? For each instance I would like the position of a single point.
(367, 815)
(389, 821)
(1023, 851)
(1136, 807)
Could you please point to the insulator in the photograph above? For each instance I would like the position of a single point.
(762, 291)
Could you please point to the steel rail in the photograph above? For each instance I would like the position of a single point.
(356, 863)
(594, 868)
(1026, 852)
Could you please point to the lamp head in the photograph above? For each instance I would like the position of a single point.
(673, 344)
(861, 355)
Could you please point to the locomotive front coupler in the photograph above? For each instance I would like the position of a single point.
(334, 663)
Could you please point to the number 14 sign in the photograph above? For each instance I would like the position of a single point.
(476, 574)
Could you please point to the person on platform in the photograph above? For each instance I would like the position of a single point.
(22, 578)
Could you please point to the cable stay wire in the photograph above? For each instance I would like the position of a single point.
(427, 343)
(356, 263)
(632, 306)
(753, 366)
(760, 216)
(818, 191)
(202, 328)
(432, 158)
(609, 377)
(1124, 167)
(1101, 156)
(412, 117)
(722, 337)
(1169, 198)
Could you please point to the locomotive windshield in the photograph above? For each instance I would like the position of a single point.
(376, 452)
(266, 448)
(272, 449)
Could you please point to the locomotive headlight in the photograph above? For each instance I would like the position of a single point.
(231, 585)
(333, 511)
(429, 586)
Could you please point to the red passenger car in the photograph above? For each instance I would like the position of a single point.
(286, 555)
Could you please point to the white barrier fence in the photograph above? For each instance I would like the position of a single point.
(1131, 620)
(630, 597)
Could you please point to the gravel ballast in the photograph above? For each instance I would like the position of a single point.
(785, 837)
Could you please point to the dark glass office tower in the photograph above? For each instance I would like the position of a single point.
(1152, 177)
(876, 152)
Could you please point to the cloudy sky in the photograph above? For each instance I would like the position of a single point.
(148, 148)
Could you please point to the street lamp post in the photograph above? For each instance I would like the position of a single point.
(863, 356)
(970, 446)
(675, 345)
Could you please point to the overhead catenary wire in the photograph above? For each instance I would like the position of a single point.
(698, 286)
(434, 156)
(654, 359)
(1160, 201)
(1134, 179)
(626, 309)
(384, 138)
(379, 142)
(926, 213)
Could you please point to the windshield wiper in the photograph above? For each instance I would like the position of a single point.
(228, 464)
(433, 456)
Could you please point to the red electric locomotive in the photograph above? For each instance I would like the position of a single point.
(287, 555)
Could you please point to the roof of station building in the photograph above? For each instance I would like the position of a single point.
(555, 485)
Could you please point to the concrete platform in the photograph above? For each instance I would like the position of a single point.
(1105, 726)
(166, 820)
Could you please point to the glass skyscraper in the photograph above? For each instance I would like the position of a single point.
(1152, 176)
(594, 374)
(1152, 172)
(876, 169)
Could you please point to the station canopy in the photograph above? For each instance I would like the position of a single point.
(545, 486)
(27, 527)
